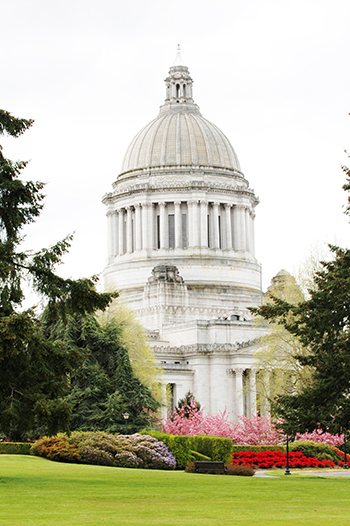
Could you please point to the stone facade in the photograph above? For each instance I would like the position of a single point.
(181, 250)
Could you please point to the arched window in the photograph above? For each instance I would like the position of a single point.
(184, 90)
(177, 91)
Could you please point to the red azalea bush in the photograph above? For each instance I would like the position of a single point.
(277, 459)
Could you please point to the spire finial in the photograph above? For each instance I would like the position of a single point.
(178, 60)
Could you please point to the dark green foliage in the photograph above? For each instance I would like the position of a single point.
(216, 448)
(15, 448)
(179, 445)
(316, 449)
(104, 387)
(34, 372)
(322, 325)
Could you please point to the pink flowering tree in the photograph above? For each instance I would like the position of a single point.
(257, 430)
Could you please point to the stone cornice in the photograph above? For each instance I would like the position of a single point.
(215, 348)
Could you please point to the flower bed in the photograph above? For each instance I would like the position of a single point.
(277, 459)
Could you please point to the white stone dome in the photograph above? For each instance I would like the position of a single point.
(180, 136)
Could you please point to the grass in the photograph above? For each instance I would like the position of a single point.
(35, 491)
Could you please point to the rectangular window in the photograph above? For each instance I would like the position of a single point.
(184, 230)
(208, 230)
(219, 218)
(158, 232)
(171, 227)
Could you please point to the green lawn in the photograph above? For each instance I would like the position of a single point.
(35, 491)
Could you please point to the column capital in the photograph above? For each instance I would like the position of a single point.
(162, 204)
(203, 201)
(239, 370)
(177, 203)
(227, 205)
(137, 205)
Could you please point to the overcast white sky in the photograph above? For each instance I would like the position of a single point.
(273, 75)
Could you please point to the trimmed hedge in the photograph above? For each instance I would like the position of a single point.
(15, 448)
(199, 456)
(316, 449)
(184, 447)
(180, 446)
(216, 448)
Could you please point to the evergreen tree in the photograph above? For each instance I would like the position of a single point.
(322, 325)
(33, 370)
(105, 386)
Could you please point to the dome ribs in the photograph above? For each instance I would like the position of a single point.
(192, 140)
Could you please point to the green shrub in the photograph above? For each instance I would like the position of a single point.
(317, 450)
(180, 446)
(56, 448)
(15, 448)
(198, 456)
(216, 448)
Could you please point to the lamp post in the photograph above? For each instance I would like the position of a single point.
(287, 472)
(126, 416)
(345, 457)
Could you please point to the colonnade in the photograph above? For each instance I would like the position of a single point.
(178, 224)
(245, 397)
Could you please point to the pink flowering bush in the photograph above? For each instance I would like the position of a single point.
(319, 436)
(191, 421)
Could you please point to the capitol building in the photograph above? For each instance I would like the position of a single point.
(181, 251)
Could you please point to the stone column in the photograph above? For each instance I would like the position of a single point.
(129, 229)
(190, 206)
(150, 224)
(163, 226)
(252, 382)
(120, 232)
(228, 227)
(109, 232)
(145, 226)
(248, 229)
(178, 243)
(252, 224)
(195, 224)
(204, 223)
(240, 230)
(265, 405)
(239, 390)
(138, 227)
(216, 224)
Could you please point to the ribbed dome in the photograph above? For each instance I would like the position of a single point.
(179, 136)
